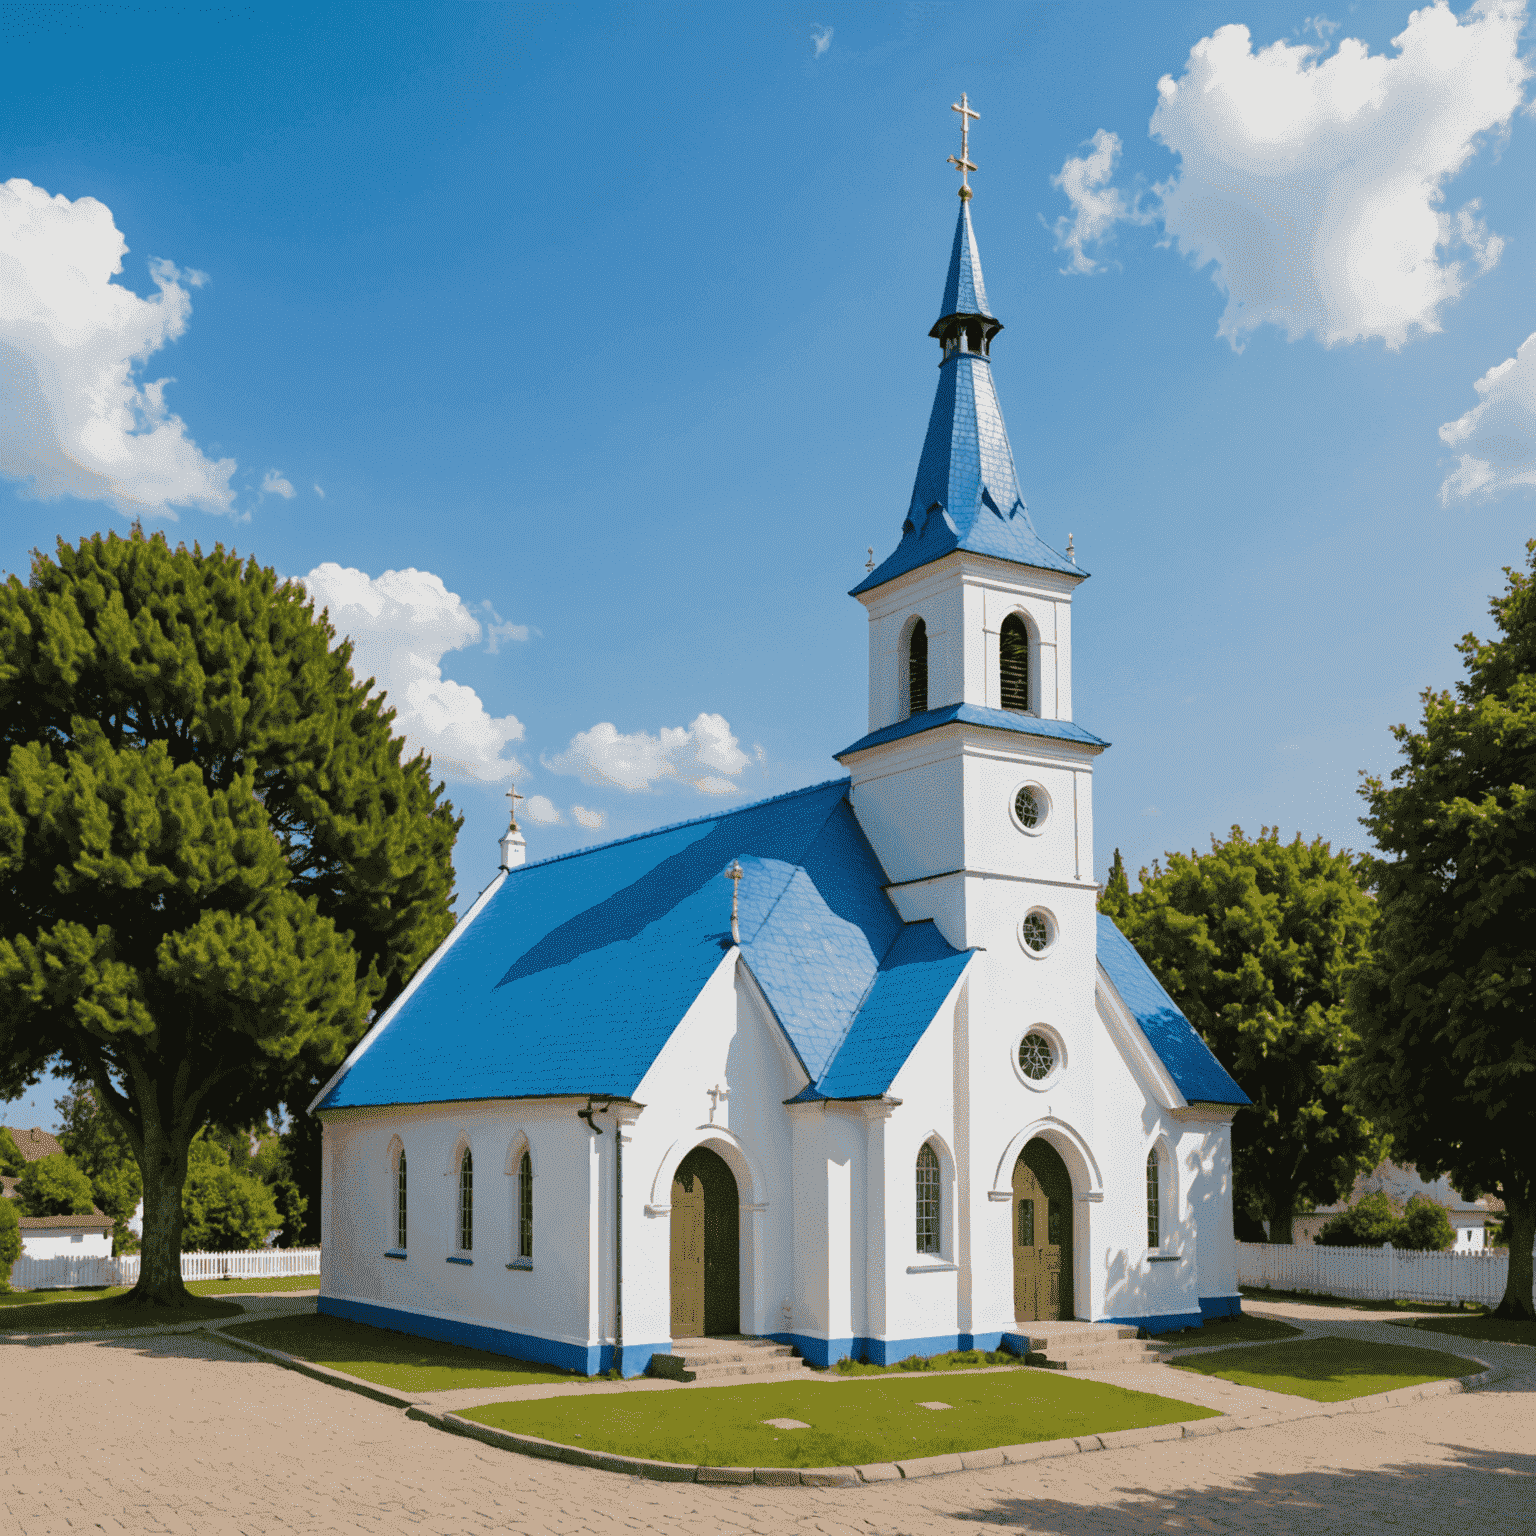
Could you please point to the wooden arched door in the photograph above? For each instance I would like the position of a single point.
(1042, 1234)
(706, 1247)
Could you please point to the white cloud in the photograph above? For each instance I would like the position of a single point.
(542, 811)
(1096, 206)
(592, 820)
(821, 40)
(74, 418)
(275, 483)
(401, 625)
(319, 493)
(1313, 185)
(704, 754)
(1497, 437)
(1321, 26)
(496, 630)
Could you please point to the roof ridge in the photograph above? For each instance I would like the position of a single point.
(810, 842)
(673, 826)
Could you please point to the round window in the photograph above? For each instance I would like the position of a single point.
(1030, 807)
(1037, 933)
(1036, 1058)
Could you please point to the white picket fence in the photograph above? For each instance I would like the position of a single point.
(55, 1274)
(1379, 1274)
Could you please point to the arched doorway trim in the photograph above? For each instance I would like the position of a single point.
(1087, 1184)
(738, 1158)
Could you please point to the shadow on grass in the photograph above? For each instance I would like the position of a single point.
(1261, 1294)
(1495, 1330)
(1331, 1369)
(401, 1361)
(1493, 1490)
(58, 1312)
(1246, 1329)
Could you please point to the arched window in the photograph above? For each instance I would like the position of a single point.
(400, 1200)
(1013, 663)
(466, 1202)
(525, 1207)
(1154, 1203)
(927, 1199)
(917, 669)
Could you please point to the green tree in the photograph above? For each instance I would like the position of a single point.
(301, 1140)
(222, 1208)
(1446, 1013)
(53, 1186)
(11, 1160)
(1426, 1226)
(214, 866)
(1371, 1221)
(1255, 941)
(10, 1242)
(99, 1147)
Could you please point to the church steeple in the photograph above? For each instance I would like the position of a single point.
(966, 494)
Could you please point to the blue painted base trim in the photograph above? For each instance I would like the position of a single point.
(585, 1360)
(1158, 1322)
(1221, 1306)
(826, 1352)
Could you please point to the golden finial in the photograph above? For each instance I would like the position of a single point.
(869, 564)
(963, 164)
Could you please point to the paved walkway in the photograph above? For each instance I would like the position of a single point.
(183, 1433)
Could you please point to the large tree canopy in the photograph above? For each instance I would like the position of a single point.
(214, 865)
(1447, 1013)
(1255, 941)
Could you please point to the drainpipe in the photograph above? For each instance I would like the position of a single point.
(588, 1115)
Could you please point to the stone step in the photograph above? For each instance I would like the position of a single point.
(732, 1351)
(758, 1369)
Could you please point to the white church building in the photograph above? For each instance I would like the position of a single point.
(858, 1068)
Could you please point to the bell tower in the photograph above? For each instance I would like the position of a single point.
(974, 783)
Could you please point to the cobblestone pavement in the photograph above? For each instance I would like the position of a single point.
(182, 1433)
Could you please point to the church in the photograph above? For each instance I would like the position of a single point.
(858, 1068)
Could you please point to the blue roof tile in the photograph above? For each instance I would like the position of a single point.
(1195, 1071)
(964, 291)
(576, 971)
(976, 714)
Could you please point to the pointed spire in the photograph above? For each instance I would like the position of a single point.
(966, 494)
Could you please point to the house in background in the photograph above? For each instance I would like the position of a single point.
(1470, 1218)
(55, 1237)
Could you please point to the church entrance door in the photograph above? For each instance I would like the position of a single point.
(1042, 1235)
(706, 1247)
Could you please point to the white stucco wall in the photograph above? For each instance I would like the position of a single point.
(60, 1243)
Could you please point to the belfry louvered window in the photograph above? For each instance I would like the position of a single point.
(400, 1201)
(1013, 664)
(927, 1200)
(525, 1207)
(1154, 1203)
(917, 669)
(466, 1202)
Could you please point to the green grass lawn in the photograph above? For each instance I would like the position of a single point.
(1482, 1325)
(955, 1360)
(1262, 1294)
(258, 1284)
(396, 1360)
(1329, 1370)
(57, 1311)
(877, 1419)
(1228, 1330)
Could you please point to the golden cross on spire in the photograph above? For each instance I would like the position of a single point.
(514, 797)
(963, 164)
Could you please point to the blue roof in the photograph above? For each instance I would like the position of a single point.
(966, 495)
(1195, 1071)
(976, 714)
(575, 973)
(964, 291)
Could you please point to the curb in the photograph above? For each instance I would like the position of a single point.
(317, 1372)
(922, 1466)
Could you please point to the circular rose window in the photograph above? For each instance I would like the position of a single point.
(1036, 1058)
(1026, 807)
(1035, 930)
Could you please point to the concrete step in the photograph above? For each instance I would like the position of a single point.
(727, 1359)
(757, 1369)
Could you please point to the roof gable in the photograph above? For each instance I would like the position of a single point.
(1196, 1073)
(574, 973)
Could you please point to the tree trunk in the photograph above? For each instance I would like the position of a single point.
(1281, 1211)
(1519, 1233)
(164, 1168)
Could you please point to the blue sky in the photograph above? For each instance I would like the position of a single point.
(604, 329)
